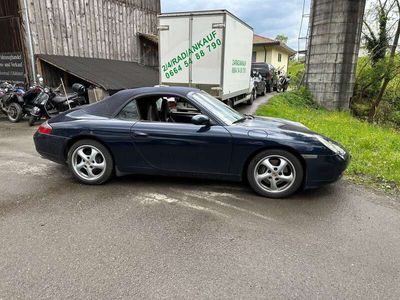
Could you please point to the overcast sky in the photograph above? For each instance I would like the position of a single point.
(267, 17)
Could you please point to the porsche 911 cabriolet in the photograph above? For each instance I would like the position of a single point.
(177, 131)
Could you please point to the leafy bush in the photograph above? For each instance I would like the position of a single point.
(295, 71)
(368, 83)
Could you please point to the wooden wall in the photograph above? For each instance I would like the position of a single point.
(92, 28)
(10, 27)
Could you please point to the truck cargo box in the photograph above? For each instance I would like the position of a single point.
(210, 50)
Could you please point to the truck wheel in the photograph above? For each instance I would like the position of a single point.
(14, 112)
(252, 97)
(231, 103)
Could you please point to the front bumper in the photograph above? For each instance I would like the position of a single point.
(325, 169)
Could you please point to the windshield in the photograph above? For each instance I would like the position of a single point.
(222, 111)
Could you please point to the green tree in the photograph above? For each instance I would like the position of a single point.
(282, 38)
(374, 74)
(392, 69)
(377, 42)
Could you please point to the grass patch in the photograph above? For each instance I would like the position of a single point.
(295, 67)
(375, 150)
(295, 71)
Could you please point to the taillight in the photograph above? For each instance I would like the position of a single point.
(45, 128)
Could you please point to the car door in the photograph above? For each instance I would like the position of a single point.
(184, 147)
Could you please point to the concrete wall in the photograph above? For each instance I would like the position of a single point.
(335, 30)
(271, 56)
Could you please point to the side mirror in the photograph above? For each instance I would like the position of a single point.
(200, 120)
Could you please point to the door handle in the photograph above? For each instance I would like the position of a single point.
(140, 134)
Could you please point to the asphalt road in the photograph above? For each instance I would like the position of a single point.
(153, 237)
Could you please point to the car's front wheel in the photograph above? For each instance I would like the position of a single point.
(90, 162)
(275, 173)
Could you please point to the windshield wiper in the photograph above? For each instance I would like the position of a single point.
(246, 117)
(240, 120)
(249, 116)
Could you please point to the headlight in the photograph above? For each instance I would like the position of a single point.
(331, 146)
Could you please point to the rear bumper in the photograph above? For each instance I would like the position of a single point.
(51, 147)
(325, 169)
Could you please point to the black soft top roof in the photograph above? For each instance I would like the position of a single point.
(111, 105)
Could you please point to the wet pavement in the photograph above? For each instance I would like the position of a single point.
(157, 237)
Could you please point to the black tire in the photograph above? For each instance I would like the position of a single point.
(287, 189)
(264, 90)
(268, 86)
(32, 120)
(252, 97)
(14, 112)
(106, 157)
(231, 103)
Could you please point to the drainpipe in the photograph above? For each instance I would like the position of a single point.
(30, 42)
(265, 54)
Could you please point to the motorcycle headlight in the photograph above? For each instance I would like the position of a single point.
(331, 146)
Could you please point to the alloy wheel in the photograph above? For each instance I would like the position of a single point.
(88, 162)
(274, 174)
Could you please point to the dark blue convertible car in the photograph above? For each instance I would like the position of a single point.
(186, 132)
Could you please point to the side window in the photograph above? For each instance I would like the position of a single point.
(130, 112)
(279, 57)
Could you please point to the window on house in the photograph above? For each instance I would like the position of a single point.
(279, 57)
(254, 57)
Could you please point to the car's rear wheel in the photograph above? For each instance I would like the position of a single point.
(275, 173)
(90, 162)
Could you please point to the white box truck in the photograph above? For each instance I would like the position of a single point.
(209, 50)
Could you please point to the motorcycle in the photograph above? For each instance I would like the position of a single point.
(15, 102)
(258, 84)
(50, 103)
(5, 95)
(283, 82)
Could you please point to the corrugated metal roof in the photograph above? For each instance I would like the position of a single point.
(108, 74)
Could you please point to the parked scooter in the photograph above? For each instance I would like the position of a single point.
(50, 103)
(5, 95)
(283, 82)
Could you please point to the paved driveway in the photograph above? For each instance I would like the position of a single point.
(153, 237)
